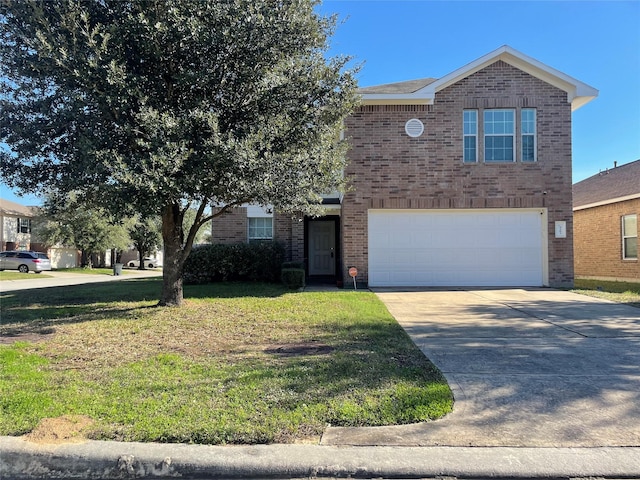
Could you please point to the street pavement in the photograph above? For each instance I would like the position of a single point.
(63, 279)
(546, 383)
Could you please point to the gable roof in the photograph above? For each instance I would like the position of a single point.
(578, 93)
(12, 208)
(410, 86)
(613, 185)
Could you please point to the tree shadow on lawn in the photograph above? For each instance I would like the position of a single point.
(56, 300)
(43, 321)
(235, 290)
(32, 313)
(37, 311)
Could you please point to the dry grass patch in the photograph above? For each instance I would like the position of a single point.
(65, 429)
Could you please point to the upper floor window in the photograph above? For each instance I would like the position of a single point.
(260, 228)
(528, 129)
(470, 134)
(499, 133)
(630, 237)
(24, 225)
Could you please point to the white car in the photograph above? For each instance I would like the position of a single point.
(24, 261)
(148, 262)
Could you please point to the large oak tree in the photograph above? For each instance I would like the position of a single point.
(154, 107)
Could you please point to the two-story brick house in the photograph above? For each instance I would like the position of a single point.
(459, 181)
(15, 226)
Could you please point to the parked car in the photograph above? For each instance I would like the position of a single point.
(24, 261)
(148, 262)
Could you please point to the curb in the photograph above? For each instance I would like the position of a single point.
(22, 460)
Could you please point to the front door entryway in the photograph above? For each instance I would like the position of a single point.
(322, 247)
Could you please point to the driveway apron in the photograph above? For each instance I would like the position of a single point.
(528, 368)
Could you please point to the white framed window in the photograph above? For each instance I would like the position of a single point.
(528, 135)
(24, 225)
(499, 135)
(260, 228)
(630, 237)
(470, 135)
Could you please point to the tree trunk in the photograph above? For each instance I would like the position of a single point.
(174, 258)
(141, 255)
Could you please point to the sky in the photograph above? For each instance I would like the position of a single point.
(596, 42)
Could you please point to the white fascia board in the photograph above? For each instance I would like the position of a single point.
(607, 202)
(578, 93)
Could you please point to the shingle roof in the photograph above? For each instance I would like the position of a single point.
(608, 186)
(12, 208)
(408, 86)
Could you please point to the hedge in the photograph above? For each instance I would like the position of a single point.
(293, 277)
(258, 261)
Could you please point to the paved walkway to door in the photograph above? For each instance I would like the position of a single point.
(528, 368)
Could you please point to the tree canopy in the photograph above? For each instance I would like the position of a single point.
(91, 230)
(155, 107)
(145, 234)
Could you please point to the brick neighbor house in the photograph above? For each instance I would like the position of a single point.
(459, 181)
(606, 208)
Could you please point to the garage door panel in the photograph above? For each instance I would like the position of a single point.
(453, 248)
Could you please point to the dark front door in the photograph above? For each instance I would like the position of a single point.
(322, 247)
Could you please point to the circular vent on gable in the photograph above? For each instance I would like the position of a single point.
(414, 128)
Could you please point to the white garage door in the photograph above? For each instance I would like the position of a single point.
(63, 257)
(456, 247)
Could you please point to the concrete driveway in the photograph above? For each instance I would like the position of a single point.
(528, 368)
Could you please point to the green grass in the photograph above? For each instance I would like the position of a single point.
(621, 292)
(239, 363)
(15, 275)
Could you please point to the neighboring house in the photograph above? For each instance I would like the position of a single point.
(16, 234)
(606, 208)
(459, 181)
(16, 222)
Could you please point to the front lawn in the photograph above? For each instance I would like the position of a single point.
(240, 363)
(620, 292)
(15, 275)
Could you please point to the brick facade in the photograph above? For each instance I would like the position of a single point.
(394, 171)
(231, 226)
(289, 229)
(598, 242)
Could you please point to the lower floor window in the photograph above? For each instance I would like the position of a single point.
(260, 228)
(630, 237)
